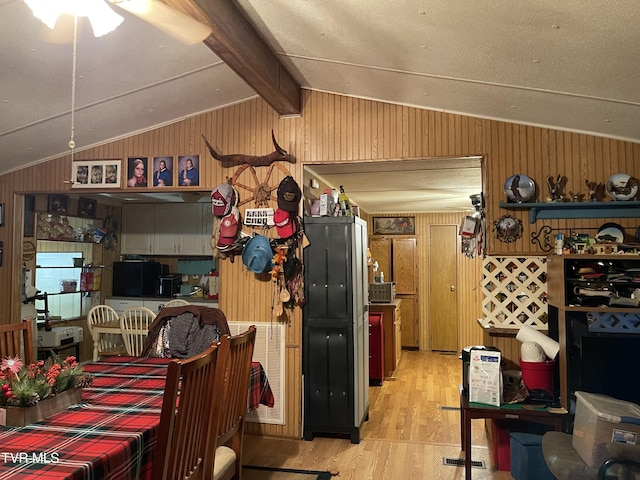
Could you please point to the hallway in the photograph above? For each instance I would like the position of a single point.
(414, 423)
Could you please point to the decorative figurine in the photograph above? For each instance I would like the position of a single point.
(594, 190)
(555, 190)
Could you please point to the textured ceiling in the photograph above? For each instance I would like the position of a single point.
(569, 65)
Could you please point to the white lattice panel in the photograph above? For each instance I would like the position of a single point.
(514, 291)
(614, 322)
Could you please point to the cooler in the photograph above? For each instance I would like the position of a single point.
(599, 420)
(527, 460)
(376, 349)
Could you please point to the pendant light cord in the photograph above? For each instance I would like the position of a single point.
(72, 143)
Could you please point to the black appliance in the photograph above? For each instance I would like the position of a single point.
(136, 279)
(170, 284)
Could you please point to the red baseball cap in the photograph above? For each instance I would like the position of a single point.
(285, 223)
(229, 227)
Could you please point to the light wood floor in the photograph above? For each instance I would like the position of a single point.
(407, 436)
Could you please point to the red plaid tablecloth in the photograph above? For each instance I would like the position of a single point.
(111, 435)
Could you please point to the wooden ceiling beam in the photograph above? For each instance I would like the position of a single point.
(238, 44)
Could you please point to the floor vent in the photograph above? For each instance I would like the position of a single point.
(447, 407)
(459, 462)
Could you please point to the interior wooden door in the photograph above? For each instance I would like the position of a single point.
(443, 288)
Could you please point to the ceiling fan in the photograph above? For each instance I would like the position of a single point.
(103, 16)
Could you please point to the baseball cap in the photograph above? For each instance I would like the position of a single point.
(257, 254)
(223, 197)
(289, 194)
(285, 224)
(229, 227)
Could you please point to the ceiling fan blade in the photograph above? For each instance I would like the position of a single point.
(171, 21)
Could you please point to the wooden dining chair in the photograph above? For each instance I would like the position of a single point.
(176, 302)
(103, 323)
(16, 340)
(230, 433)
(189, 416)
(134, 325)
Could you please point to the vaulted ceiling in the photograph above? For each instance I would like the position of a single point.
(569, 65)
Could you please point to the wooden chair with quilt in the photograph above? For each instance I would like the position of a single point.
(189, 416)
(134, 325)
(228, 453)
(16, 340)
(103, 324)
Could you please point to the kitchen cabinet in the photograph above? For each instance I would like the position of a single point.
(138, 229)
(335, 328)
(599, 337)
(398, 259)
(167, 229)
(392, 324)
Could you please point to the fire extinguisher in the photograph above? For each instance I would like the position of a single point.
(213, 285)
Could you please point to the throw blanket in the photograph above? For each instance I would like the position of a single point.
(191, 330)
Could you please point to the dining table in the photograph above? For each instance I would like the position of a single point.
(111, 434)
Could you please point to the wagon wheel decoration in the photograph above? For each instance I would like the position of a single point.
(245, 178)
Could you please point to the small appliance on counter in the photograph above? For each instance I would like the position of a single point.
(170, 285)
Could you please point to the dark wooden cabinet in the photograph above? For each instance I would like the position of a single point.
(335, 333)
(598, 341)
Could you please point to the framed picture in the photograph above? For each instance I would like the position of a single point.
(394, 225)
(1, 214)
(96, 174)
(189, 170)
(87, 207)
(58, 204)
(137, 172)
(162, 171)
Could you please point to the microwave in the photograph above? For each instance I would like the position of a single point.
(136, 279)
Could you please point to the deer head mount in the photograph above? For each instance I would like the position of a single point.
(279, 154)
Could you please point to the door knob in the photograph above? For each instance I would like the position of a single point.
(452, 288)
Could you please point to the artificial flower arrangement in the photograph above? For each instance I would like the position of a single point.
(24, 385)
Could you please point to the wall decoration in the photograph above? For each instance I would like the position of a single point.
(162, 171)
(189, 170)
(137, 172)
(96, 174)
(87, 207)
(29, 215)
(1, 214)
(508, 229)
(57, 203)
(394, 225)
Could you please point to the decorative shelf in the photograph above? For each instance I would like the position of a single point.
(551, 210)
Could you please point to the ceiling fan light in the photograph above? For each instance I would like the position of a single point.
(45, 10)
(103, 19)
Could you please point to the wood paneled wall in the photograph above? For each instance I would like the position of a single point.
(332, 129)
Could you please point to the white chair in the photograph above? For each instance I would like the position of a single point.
(176, 302)
(104, 326)
(134, 324)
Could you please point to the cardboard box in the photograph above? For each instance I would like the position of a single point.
(485, 377)
(599, 420)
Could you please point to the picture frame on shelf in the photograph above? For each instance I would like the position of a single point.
(163, 172)
(57, 204)
(96, 173)
(138, 172)
(189, 170)
(394, 225)
(87, 207)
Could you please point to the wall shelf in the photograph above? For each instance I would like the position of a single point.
(542, 211)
